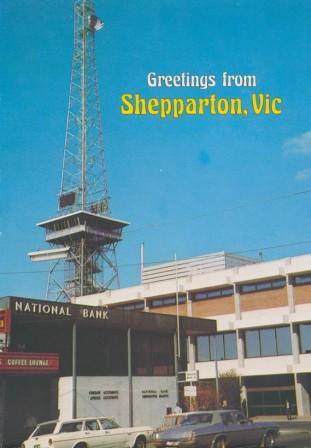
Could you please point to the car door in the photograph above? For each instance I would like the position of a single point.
(69, 432)
(114, 436)
(94, 435)
(246, 430)
(231, 430)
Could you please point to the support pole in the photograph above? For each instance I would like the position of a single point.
(216, 370)
(130, 376)
(74, 370)
(176, 365)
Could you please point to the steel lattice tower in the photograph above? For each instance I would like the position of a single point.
(83, 235)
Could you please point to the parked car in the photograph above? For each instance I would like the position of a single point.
(87, 433)
(214, 429)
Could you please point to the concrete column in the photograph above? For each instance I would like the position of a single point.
(129, 373)
(237, 302)
(189, 305)
(240, 348)
(191, 352)
(302, 397)
(295, 343)
(290, 294)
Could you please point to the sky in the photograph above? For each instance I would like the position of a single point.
(188, 186)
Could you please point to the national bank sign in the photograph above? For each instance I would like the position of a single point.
(59, 310)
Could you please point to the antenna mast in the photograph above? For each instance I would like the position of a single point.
(83, 235)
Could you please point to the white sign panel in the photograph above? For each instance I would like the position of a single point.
(192, 375)
(190, 391)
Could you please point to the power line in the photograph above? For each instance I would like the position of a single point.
(150, 263)
(254, 203)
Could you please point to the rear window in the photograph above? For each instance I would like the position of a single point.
(45, 429)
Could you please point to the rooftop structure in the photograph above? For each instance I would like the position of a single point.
(216, 261)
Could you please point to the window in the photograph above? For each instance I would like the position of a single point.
(212, 293)
(71, 427)
(263, 286)
(302, 279)
(268, 342)
(305, 338)
(45, 429)
(91, 425)
(167, 301)
(134, 306)
(107, 423)
(225, 346)
(153, 354)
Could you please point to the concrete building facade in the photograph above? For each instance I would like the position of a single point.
(263, 314)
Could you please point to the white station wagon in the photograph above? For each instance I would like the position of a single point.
(87, 433)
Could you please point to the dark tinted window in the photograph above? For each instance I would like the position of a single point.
(302, 279)
(194, 419)
(212, 293)
(268, 342)
(71, 427)
(47, 428)
(167, 301)
(263, 286)
(305, 338)
(226, 347)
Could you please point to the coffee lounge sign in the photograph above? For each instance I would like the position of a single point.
(53, 309)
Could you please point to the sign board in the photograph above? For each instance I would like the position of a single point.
(192, 375)
(5, 321)
(29, 362)
(190, 391)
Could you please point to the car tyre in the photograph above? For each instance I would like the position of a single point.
(140, 442)
(81, 445)
(269, 440)
(220, 443)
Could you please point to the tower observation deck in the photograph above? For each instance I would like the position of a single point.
(83, 235)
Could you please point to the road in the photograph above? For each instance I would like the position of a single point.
(294, 434)
(294, 440)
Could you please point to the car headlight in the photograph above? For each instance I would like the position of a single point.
(190, 435)
(155, 436)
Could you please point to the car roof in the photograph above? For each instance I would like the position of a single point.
(212, 411)
(71, 420)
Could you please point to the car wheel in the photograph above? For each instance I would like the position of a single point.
(220, 443)
(269, 440)
(140, 443)
(81, 445)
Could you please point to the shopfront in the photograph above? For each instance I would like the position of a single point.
(61, 358)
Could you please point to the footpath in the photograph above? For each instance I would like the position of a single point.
(294, 425)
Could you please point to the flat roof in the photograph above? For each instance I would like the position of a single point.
(86, 214)
(35, 311)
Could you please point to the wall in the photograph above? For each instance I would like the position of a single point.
(147, 409)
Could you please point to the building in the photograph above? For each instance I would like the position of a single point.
(58, 359)
(263, 314)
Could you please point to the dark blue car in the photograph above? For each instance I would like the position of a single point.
(214, 429)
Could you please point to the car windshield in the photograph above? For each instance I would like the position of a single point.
(194, 419)
(44, 429)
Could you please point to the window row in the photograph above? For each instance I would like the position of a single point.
(167, 301)
(220, 346)
(302, 279)
(263, 286)
(134, 306)
(260, 342)
(210, 294)
(268, 342)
